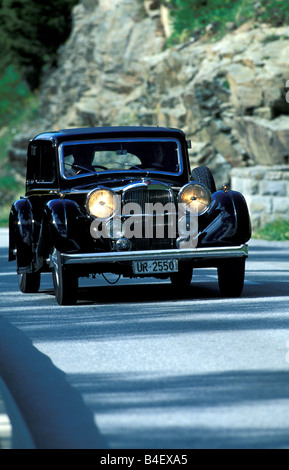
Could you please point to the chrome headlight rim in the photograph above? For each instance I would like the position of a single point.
(188, 187)
(114, 209)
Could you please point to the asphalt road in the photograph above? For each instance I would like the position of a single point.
(132, 366)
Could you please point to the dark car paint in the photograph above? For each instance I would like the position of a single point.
(52, 214)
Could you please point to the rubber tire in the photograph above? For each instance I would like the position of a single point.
(29, 283)
(202, 174)
(231, 276)
(64, 282)
(182, 279)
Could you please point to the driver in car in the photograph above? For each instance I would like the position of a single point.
(158, 159)
(82, 160)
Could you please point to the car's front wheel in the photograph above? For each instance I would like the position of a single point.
(29, 283)
(231, 275)
(65, 283)
(182, 279)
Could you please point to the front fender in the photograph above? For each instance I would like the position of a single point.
(21, 233)
(242, 216)
(227, 222)
(63, 226)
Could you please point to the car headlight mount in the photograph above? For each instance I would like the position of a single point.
(102, 203)
(194, 198)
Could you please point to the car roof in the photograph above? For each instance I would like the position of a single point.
(112, 131)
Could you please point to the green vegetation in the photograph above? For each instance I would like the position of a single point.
(14, 96)
(278, 231)
(31, 33)
(11, 187)
(190, 17)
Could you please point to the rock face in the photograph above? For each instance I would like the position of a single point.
(100, 79)
(228, 96)
(267, 140)
(231, 93)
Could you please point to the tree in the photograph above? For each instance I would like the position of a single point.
(31, 33)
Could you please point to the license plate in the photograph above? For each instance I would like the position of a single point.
(155, 267)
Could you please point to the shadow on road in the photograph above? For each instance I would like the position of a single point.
(53, 407)
(204, 284)
(53, 410)
(188, 396)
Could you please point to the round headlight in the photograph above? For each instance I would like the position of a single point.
(195, 198)
(102, 204)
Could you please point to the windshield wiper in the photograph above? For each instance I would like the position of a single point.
(74, 165)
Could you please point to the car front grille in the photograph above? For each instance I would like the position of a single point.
(160, 236)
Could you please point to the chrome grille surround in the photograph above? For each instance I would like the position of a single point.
(143, 194)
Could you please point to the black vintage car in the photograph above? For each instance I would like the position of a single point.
(123, 200)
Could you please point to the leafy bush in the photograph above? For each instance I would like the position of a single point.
(189, 17)
(275, 12)
(17, 106)
(14, 95)
(31, 33)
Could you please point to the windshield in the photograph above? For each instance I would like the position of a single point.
(85, 158)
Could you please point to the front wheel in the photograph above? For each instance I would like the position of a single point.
(182, 279)
(65, 283)
(231, 275)
(29, 283)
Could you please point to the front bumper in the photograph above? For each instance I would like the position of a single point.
(207, 254)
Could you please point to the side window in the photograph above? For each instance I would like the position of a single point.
(41, 163)
(46, 163)
(31, 164)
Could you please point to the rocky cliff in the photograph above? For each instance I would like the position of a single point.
(229, 96)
